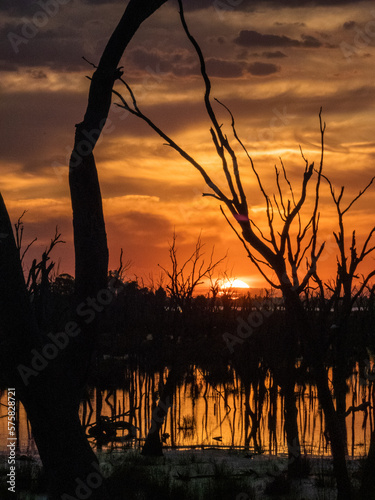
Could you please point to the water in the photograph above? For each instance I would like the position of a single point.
(206, 415)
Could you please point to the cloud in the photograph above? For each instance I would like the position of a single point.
(349, 25)
(222, 6)
(274, 55)
(310, 3)
(223, 69)
(144, 224)
(16, 8)
(298, 24)
(142, 59)
(37, 74)
(262, 69)
(310, 41)
(180, 63)
(56, 49)
(250, 38)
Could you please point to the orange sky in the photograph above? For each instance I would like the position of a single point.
(273, 64)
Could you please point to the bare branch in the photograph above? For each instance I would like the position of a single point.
(177, 148)
(288, 182)
(234, 159)
(306, 177)
(361, 193)
(277, 173)
(220, 137)
(254, 260)
(260, 231)
(312, 269)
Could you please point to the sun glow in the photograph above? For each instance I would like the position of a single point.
(235, 283)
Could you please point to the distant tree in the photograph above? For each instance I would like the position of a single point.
(182, 281)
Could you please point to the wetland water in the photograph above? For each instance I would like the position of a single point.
(208, 414)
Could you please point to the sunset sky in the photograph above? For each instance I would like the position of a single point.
(274, 64)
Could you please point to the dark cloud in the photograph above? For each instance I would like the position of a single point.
(101, 2)
(250, 38)
(308, 3)
(262, 69)
(310, 41)
(349, 25)
(274, 55)
(7, 66)
(298, 24)
(21, 7)
(223, 69)
(56, 49)
(222, 6)
(37, 126)
(29, 7)
(156, 63)
(180, 63)
(142, 59)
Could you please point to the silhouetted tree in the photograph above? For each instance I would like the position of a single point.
(182, 281)
(49, 373)
(281, 251)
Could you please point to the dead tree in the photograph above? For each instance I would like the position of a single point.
(273, 252)
(344, 293)
(183, 280)
(49, 373)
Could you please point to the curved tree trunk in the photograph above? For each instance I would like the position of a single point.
(49, 374)
(153, 446)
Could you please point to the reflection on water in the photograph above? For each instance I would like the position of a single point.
(209, 415)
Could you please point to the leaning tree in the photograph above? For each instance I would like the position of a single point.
(49, 373)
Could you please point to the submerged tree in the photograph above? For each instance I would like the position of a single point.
(49, 372)
(182, 281)
(343, 295)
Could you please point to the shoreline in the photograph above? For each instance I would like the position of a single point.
(248, 476)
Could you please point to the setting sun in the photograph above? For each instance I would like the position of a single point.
(234, 284)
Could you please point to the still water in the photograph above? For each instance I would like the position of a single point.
(204, 414)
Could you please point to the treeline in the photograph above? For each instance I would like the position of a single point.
(151, 328)
(148, 327)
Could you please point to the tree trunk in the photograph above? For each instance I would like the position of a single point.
(291, 429)
(340, 391)
(153, 445)
(314, 355)
(334, 431)
(49, 374)
(368, 484)
(287, 385)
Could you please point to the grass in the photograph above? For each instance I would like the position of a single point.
(324, 478)
(188, 475)
(29, 479)
(186, 479)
